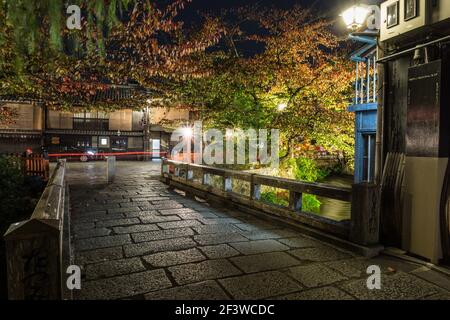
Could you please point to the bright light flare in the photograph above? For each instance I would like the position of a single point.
(282, 107)
(355, 16)
(187, 132)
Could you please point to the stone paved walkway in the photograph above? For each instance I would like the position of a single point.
(136, 239)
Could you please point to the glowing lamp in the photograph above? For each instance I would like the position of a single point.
(355, 16)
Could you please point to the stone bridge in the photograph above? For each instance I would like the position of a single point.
(136, 239)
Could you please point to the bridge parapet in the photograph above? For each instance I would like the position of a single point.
(196, 180)
(38, 248)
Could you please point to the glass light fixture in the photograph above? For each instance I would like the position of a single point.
(355, 16)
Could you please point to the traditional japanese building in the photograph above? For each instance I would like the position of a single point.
(414, 121)
(126, 132)
(365, 105)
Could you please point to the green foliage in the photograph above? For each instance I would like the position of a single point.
(11, 176)
(300, 65)
(305, 169)
(311, 204)
(38, 23)
(19, 194)
(274, 198)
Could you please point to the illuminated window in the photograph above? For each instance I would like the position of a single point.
(392, 15)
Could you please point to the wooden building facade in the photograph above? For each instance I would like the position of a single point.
(58, 132)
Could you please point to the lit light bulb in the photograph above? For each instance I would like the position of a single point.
(187, 132)
(355, 16)
(282, 106)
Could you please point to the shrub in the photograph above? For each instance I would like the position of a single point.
(305, 169)
(274, 198)
(18, 194)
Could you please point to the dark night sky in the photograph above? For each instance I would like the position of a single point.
(328, 8)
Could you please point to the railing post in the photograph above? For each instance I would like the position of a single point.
(255, 189)
(205, 178)
(189, 173)
(227, 184)
(295, 200)
(365, 220)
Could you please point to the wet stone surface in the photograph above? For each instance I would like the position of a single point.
(136, 239)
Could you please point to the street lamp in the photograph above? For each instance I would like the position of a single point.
(187, 132)
(281, 107)
(355, 16)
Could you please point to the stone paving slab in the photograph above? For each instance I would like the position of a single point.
(106, 254)
(220, 251)
(118, 222)
(171, 258)
(268, 234)
(400, 286)
(197, 215)
(145, 248)
(214, 228)
(125, 286)
(113, 268)
(179, 224)
(210, 239)
(260, 285)
(139, 228)
(319, 254)
(208, 290)
(325, 293)
(265, 262)
(170, 212)
(260, 246)
(315, 275)
(300, 242)
(207, 270)
(162, 234)
(91, 233)
(158, 219)
(137, 239)
(102, 242)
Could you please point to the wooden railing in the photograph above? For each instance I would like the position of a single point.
(181, 175)
(33, 165)
(38, 249)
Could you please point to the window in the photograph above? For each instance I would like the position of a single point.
(369, 157)
(104, 142)
(91, 121)
(410, 9)
(119, 144)
(392, 15)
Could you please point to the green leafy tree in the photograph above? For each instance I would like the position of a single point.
(300, 68)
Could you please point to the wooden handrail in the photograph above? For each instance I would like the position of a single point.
(318, 189)
(181, 175)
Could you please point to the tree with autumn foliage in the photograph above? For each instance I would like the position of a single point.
(296, 80)
(132, 42)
